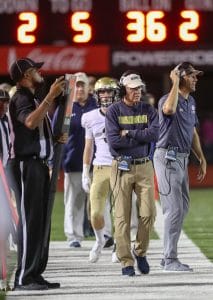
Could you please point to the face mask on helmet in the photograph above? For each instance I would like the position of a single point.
(106, 97)
(105, 91)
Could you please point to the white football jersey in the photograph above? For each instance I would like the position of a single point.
(94, 124)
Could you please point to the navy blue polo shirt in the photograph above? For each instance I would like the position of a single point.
(72, 159)
(177, 129)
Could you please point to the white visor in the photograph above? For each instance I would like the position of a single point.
(132, 81)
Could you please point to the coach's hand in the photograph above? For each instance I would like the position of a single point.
(202, 170)
(124, 132)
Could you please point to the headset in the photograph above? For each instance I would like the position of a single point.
(182, 67)
(122, 88)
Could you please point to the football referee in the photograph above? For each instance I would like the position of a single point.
(32, 148)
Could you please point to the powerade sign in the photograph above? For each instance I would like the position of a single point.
(165, 58)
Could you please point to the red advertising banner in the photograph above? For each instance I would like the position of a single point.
(60, 60)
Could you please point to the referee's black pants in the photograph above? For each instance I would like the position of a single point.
(31, 179)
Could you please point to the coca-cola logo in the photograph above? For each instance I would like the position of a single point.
(64, 59)
(60, 59)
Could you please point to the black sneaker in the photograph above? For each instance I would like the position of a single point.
(75, 244)
(128, 271)
(30, 287)
(142, 263)
(109, 241)
(50, 285)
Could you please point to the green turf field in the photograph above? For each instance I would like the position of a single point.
(57, 228)
(198, 224)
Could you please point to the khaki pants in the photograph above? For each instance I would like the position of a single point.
(100, 189)
(141, 180)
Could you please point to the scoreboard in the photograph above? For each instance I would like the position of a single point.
(129, 23)
(102, 37)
